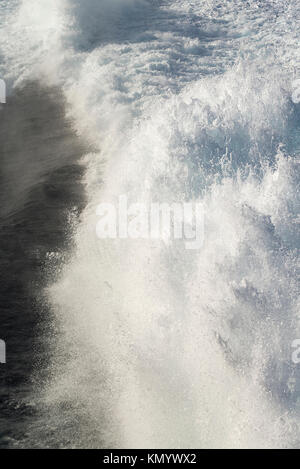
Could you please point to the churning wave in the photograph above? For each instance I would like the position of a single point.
(157, 346)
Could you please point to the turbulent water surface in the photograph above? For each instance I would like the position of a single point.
(136, 343)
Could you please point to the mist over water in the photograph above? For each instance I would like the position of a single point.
(153, 345)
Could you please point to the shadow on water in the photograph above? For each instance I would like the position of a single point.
(127, 21)
(40, 174)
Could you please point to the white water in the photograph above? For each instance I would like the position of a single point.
(186, 100)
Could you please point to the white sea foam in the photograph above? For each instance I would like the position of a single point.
(187, 101)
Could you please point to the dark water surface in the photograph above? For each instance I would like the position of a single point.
(40, 185)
